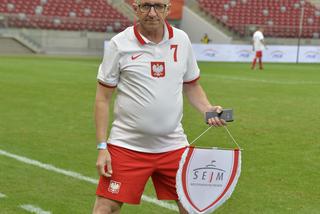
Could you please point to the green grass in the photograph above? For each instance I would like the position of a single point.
(46, 114)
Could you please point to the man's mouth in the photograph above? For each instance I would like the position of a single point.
(152, 20)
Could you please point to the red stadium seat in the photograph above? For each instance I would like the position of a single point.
(284, 14)
(99, 12)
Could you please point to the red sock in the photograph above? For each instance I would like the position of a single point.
(260, 63)
(254, 63)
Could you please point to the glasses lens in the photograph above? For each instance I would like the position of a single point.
(160, 7)
(147, 7)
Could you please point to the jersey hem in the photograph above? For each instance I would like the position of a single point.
(192, 81)
(136, 149)
(106, 85)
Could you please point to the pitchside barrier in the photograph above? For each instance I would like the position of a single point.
(244, 53)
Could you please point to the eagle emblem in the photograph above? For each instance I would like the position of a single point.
(114, 187)
(158, 69)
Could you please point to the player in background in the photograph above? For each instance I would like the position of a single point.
(258, 45)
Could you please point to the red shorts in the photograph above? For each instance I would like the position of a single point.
(259, 54)
(131, 171)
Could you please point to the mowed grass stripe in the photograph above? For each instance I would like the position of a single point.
(284, 82)
(78, 176)
(46, 114)
(49, 167)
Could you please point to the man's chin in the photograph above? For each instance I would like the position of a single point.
(153, 25)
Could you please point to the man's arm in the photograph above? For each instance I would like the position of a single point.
(102, 103)
(263, 43)
(252, 43)
(199, 100)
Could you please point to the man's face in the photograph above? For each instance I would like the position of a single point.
(152, 13)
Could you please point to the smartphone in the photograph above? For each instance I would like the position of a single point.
(226, 115)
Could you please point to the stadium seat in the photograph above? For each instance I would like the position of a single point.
(284, 15)
(75, 14)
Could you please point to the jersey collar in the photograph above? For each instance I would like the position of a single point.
(142, 40)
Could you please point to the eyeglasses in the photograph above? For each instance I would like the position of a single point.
(145, 8)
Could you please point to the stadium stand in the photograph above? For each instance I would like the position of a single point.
(80, 27)
(91, 15)
(279, 18)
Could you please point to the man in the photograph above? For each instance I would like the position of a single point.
(258, 46)
(205, 39)
(150, 64)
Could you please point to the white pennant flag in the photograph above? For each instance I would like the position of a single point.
(206, 178)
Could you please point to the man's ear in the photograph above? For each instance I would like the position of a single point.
(168, 9)
(135, 7)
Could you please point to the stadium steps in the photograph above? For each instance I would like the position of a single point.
(315, 3)
(13, 45)
(23, 39)
(124, 8)
(194, 6)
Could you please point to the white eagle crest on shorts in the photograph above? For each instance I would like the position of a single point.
(158, 69)
(114, 187)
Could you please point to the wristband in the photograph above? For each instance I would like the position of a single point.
(102, 145)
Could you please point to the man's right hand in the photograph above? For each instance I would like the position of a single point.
(103, 159)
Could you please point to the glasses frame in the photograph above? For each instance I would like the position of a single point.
(154, 7)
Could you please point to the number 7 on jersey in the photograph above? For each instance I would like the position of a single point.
(175, 47)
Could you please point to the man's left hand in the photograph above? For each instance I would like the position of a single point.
(215, 121)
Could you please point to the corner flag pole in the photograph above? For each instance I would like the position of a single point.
(300, 33)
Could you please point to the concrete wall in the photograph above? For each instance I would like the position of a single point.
(51, 38)
(196, 27)
(67, 42)
(316, 3)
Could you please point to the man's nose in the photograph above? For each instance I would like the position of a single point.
(152, 12)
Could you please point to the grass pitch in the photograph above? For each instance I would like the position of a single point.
(46, 114)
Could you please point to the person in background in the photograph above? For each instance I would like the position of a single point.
(205, 39)
(258, 46)
(151, 64)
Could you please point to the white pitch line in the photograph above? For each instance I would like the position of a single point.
(160, 203)
(78, 176)
(33, 209)
(49, 167)
(2, 195)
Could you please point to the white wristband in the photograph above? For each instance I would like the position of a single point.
(102, 145)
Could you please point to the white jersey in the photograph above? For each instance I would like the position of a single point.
(149, 78)
(257, 41)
